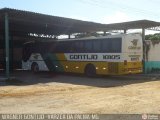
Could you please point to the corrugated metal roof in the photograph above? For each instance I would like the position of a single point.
(133, 25)
(23, 22)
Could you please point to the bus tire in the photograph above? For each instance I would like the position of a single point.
(90, 70)
(35, 67)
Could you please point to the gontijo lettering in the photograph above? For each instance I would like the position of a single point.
(94, 57)
(84, 57)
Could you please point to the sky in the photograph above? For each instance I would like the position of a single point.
(101, 11)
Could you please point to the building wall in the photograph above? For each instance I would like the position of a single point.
(152, 63)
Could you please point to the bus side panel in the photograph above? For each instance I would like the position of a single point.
(102, 67)
(79, 66)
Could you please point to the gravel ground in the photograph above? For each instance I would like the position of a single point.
(66, 93)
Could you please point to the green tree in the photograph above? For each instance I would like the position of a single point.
(153, 37)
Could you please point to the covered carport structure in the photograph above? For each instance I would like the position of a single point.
(17, 27)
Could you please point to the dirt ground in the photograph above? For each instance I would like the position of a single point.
(49, 93)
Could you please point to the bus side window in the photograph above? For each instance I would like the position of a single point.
(106, 45)
(64, 47)
(28, 49)
(116, 45)
(67, 46)
(81, 47)
(78, 46)
(58, 47)
(71, 47)
(88, 46)
(50, 47)
(97, 46)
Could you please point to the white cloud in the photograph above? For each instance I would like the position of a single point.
(117, 17)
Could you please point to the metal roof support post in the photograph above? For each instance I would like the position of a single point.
(144, 49)
(7, 44)
(69, 36)
(125, 31)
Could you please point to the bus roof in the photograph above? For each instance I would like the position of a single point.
(85, 38)
(93, 37)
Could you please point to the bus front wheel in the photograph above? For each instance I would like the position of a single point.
(35, 67)
(90, 70)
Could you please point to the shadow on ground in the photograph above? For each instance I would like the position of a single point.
(23, 78)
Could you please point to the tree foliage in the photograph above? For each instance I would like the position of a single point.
(153, 37)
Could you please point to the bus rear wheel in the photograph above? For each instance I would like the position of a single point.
(35, 68)
(90, 70)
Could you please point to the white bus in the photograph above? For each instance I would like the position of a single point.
(108, 55)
